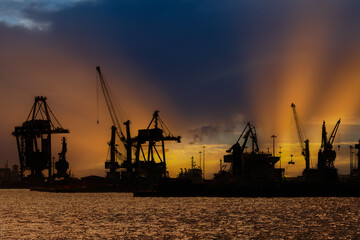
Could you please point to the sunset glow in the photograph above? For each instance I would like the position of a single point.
(208, 74)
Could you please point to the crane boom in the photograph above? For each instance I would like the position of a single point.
(127, 141)
(304, 145)
(250, 131)
(110, 106)
(298, 128)
(333, 134)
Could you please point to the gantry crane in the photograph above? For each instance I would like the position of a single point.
(33, 140)
(304, 145)
(116, 129)
(156, 132)
(326, 156)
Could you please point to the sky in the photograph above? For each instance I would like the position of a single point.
(208, 66)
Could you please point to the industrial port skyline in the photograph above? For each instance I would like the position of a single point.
(209, 69)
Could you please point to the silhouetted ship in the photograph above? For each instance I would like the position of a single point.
(10, 177)
(193, 175)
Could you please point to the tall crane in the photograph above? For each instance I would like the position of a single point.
(33, 139)
(326, 156)
(154, 136)
(126, 141)
(304, 144)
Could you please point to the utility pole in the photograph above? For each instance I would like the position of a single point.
(203, 162)
(200, 158)
(280, 156)
(273, 137)
(357, 146)
(53, 166)
(351, 160)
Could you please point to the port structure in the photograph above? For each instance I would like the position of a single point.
(33, 140)
(194, 174)
(356, 171)
(326, 171)
(327, 155)
(116, 130)
(304, 144)
(153, 165)
(254, 166)
(236, 151)
(62, 165)
(153, 162)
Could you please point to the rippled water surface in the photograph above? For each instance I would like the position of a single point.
(38, 215)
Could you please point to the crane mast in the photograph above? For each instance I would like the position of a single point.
(304, 145)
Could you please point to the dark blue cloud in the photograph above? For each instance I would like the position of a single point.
(197, 52)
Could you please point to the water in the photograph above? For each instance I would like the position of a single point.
(38, 215)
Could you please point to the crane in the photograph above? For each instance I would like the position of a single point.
(304, 144)
(326, 156)
(357, 146)
(236, 151)
(33, 139)
(126, 141)
(250, 131)
(153, 137)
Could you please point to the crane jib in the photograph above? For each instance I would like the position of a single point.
(110, 106)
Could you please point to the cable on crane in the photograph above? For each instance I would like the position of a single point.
(97, 99)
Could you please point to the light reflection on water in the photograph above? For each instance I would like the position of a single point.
(38, 215)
